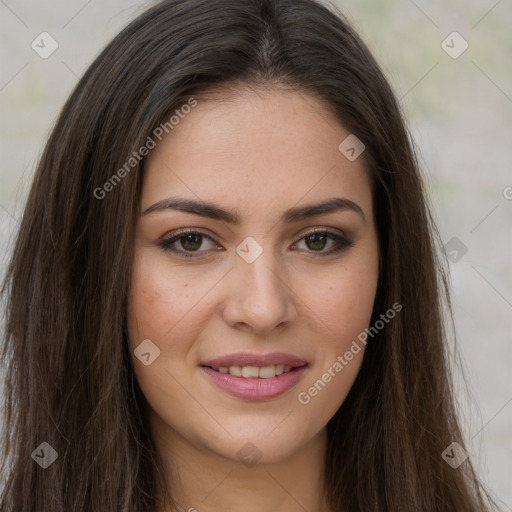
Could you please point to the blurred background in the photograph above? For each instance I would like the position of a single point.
(450, 64)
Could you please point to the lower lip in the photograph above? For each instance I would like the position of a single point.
(255, 389)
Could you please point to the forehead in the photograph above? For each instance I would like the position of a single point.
(270, 146)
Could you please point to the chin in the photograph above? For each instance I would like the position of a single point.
(259, 445)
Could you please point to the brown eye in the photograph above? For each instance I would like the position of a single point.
(190, 242)
(317, 241)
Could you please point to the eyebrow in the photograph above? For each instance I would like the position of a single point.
(213, 211)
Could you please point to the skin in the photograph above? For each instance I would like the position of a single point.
(258, 153)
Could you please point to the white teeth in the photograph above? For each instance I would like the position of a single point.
(254, 372)
(235, 370)
(250, 372)
(266, 372)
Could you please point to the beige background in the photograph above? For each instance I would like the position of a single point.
(460, 113)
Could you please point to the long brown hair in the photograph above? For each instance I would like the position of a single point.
(69, 380)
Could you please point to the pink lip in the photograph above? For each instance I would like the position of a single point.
(248, 359)
(255, 389)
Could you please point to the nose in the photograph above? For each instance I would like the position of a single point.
(259, 296)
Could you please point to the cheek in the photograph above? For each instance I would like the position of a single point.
(163, 308)
(341, 300)
(351, 303)
(326, 390)
(340, 353)
(167, 305)
(341, 305)
(161, 301)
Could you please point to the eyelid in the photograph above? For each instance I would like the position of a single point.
(341, 239)
(167, 241)
(186, 231)
(322, 230)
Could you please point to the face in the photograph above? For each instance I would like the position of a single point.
(259, 281)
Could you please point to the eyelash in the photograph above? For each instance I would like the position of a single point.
(165, 244)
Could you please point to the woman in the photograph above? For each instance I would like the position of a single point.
(225, 292)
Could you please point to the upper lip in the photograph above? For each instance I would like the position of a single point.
(248, 359)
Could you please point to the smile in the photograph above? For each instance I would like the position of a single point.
(255, 372)
(253, 376)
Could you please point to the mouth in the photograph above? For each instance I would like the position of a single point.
(255, 377)
(255, 372)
